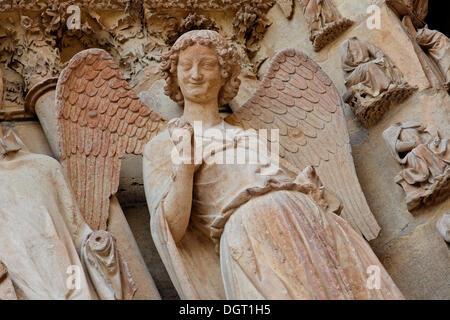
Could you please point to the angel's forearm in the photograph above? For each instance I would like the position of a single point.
(178, 203)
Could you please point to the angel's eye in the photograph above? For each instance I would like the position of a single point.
(185, 65)
(209, 64)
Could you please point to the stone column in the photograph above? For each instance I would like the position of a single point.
(40, 100)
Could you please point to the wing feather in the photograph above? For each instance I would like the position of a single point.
(98, 117)
(300, 100)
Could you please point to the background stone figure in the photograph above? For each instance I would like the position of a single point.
(437, 45)
(274, 227)
(372, 80)
(42, 232)
(324, 20)
(425, 158)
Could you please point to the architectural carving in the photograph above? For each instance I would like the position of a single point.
(443, 226)
(373, 82)
(263, 208)
(425, 158)
(36, 219)
(51, 32)
(249, 21)
(324, 21)
(437, 45)
(100, 118)
(13, 96)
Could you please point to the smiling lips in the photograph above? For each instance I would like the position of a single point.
(195, 83)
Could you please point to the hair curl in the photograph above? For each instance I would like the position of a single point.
(228, 57)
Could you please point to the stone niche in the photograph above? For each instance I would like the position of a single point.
(35, 44)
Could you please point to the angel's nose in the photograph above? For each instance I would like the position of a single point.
(196, 74)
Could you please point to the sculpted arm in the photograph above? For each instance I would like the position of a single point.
(168, 185)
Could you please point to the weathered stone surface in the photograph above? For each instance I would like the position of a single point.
(419, 260)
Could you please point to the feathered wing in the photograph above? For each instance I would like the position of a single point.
(300, 100)
(100, 118)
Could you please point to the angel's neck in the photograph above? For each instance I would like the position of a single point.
(207, 113)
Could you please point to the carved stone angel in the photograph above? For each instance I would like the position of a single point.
(324, 20)
(255, 230)
(425, 158)
(44, 241)
(372, 80)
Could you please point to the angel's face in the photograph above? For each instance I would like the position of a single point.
(199, 75)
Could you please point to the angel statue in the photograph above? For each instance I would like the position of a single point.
(254, 230)
(47, 251)
(286, 241)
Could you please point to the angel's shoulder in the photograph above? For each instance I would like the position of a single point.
(161, 140)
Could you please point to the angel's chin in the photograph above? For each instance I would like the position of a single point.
(197, 95)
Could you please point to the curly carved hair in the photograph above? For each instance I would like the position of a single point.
(228, 57)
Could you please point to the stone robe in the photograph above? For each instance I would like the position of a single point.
(275, 235)
(43, 234)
